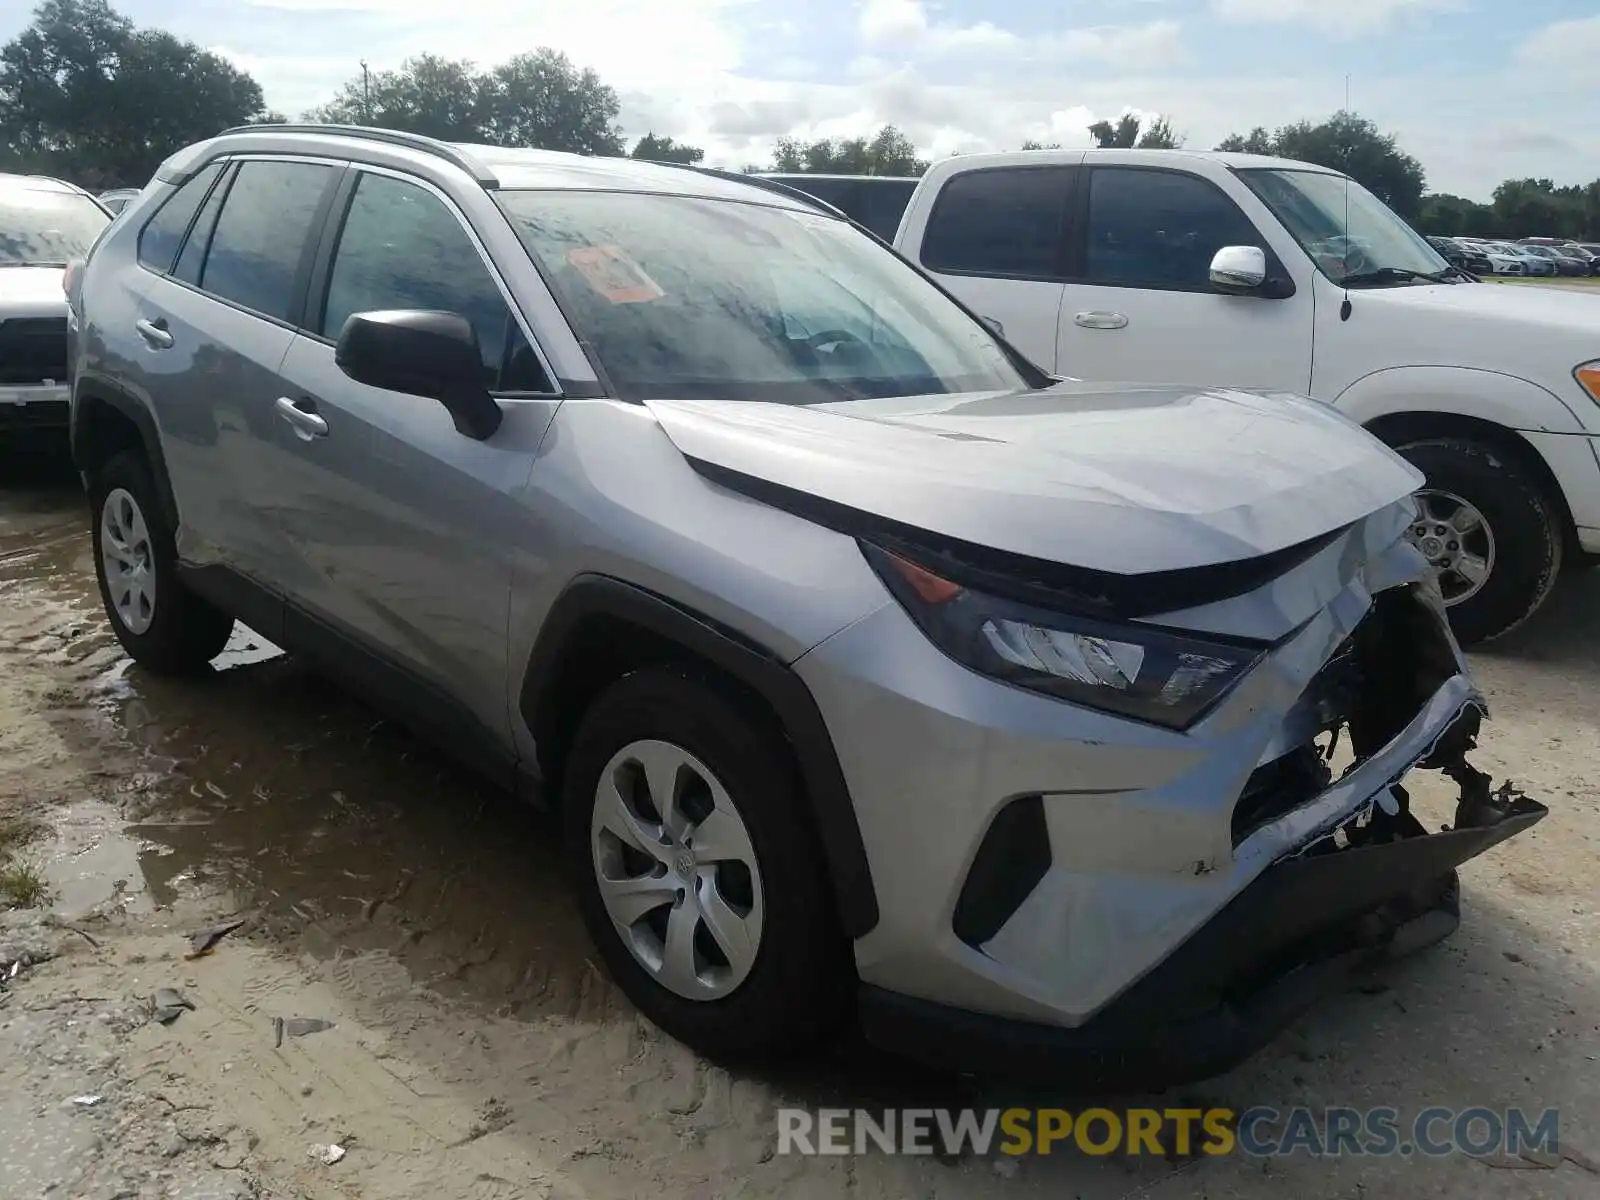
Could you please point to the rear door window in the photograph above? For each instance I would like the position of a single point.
(1006, 222)
(261, 238)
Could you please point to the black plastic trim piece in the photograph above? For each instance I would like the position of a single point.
(238, 596)
(1057, 586)
(591, 596)
(1011, 860)
(101, 390)
(414, 702)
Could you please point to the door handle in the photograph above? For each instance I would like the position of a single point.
(154, 333)
(1100, 320)
(304, 421)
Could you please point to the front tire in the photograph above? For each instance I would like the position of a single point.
(1488, 528)
(160, 622)
(697, 869)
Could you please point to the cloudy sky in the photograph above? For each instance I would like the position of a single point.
(1477, 90)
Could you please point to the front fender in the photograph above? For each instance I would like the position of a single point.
(1504, 400)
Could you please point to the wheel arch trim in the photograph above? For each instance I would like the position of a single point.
(102, 391)
(593, 596)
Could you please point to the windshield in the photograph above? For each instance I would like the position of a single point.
(1313, 205)
(688, 298)
(47, 228)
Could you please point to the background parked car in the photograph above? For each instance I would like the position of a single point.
(1532, 264)
(1500, 263)
(115, 199)
(1228, 269)
(44, 224)
(1463, 254)
(1562, 263)
(873, 201)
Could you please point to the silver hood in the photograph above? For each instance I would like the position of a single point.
(1120, 478)
(32, 292)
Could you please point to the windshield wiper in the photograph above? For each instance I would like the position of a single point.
(1395, 275)
(15, 263)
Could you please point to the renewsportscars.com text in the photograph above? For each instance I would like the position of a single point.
(1257, 1132)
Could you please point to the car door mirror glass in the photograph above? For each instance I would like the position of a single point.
(1238, 268)
(421, 353)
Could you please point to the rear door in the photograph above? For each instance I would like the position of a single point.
(215, 326)
(398, 524)
(997, 238)
(1139, 305)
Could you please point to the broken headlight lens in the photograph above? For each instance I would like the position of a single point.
(1165, 677)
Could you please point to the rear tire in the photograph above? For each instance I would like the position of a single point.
(795, 987)
(160, 622)
(1524, 534)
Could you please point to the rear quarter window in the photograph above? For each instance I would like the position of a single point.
(163, 233)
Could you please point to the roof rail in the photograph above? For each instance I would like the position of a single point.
(393, 137)
(770, 185)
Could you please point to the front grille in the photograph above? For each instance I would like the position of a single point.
(33, 350)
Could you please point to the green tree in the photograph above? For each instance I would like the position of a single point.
(665, 149)
(1538, 208)
(887, 152)
(1257, 141)
(542, 99)
(539, 99)
(437, 97)
(87, 96)
(1455, 216)
(1030, 144)
(1126, 134)
(1349, 143)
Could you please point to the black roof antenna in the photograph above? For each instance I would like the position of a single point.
(1344, 306)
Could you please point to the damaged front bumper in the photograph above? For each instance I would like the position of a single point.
(1342, 876)
(1305, 929)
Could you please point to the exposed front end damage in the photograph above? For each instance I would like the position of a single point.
(1330, 873)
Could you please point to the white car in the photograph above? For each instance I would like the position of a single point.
(44, 224)
(1502, 262)
(1238, 270)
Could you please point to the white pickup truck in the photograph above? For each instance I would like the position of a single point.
(1235, 270)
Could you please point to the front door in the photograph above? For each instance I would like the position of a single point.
(402, 531)
(1140, 306)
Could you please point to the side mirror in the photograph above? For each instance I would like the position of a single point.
(1238, 269)
(422, 353)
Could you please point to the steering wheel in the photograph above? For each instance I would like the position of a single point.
(1351, 259)
(831, 337)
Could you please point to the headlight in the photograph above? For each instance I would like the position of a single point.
(1165, 677)
(1588, 377)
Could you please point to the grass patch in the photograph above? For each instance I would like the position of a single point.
(22, 884)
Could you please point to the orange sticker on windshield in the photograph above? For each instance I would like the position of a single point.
(609, 271)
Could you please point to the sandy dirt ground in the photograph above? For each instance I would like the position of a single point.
(477, 1052)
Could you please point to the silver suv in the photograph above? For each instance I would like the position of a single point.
(871, 670)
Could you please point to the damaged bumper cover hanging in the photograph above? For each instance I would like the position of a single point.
(1348, 878)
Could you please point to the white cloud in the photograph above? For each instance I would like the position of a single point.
(1564, 45)
(1345, 18)
(903, 26)
(708, 72)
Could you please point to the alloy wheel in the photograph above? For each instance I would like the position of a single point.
(1457, 541)
(676, 870)
(128, 560)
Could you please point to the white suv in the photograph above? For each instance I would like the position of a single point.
(1238, 270)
